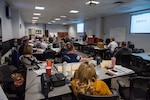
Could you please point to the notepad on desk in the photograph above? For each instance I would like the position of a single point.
(123, 69)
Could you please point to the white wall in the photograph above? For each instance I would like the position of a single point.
(123, 20)
(11, 27)
(6, 23)
(35, 27)
(57, 28)
(42, 27)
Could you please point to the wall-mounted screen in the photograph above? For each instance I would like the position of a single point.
(80, 28)
(8, 12)
(140, 23)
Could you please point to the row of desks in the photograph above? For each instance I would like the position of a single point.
(33, 83)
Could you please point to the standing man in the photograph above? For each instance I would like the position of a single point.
(84, 36)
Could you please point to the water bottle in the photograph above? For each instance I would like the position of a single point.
(98, 60)
(64, 65)
(113, 60)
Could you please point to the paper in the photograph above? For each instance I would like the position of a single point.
(75, 66)
(106, 64)
(43, 65)
(40, 71)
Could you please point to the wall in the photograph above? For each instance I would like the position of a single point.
(123, 20)
(10, 27)
(50, 28)
(91, 27)
(6, 23)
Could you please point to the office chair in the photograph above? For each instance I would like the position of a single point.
(137, 64)
(15, 59)
(114, 96)
(86, 50)
(140, 50)
(12, 92)
(49, 54)
(139, 89)
(124, 60)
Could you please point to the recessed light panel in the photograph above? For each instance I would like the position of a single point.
(39, 8)
(73, 11)
(37, 14)
(35, 18)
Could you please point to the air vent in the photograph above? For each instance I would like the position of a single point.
(118, 2)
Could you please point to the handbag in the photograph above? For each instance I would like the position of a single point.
(58, 79)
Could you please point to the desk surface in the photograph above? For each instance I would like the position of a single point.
(101, 71)
(97, 48)
(143, 55)
(33, 87)
(33, 84)
(2, 94)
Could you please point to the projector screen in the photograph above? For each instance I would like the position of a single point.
(80, 28)
(140, 23)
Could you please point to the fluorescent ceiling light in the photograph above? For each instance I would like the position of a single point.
(73, 11)
(92, 2)
(49, 23)
(35, 18)
(39, 8)
(37, 14)
(53, 21)
(64, 23)
(57, 18)
(63, 16)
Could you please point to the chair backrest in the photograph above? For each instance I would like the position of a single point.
(140, 88)
(140, 50)
(15, 58)
(124, 60)
(114, 96)
(49, 54)
(5, 73)
(137, 64)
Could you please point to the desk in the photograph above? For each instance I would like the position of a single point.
(2, 94)
(143, 55)
(100, 51)
(121, 71)
(33, 87)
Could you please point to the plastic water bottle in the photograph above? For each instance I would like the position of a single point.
(64, 65)
(113, 60)
(98, 60)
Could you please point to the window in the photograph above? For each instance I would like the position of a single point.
(80, 28)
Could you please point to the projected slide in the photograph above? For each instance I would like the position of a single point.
(140, 23)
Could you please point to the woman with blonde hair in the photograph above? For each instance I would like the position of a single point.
(85, 81)
(27, 58)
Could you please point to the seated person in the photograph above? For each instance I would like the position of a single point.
(122, 51)
(70, 55)
(100, 44)
(43, 44)
(112, 45)
(85, 81)
(27, 58)
(21, 48)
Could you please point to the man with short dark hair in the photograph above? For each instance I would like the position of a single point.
(122, 51)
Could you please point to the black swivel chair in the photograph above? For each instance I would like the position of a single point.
(124, 60)
(140, 50)
(12, 92)
(15, 59)
(49, 54)
(114, 96)
(139, 89)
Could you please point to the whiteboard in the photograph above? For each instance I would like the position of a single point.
(119, 33)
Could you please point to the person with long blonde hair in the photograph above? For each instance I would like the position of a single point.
(85, 81)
